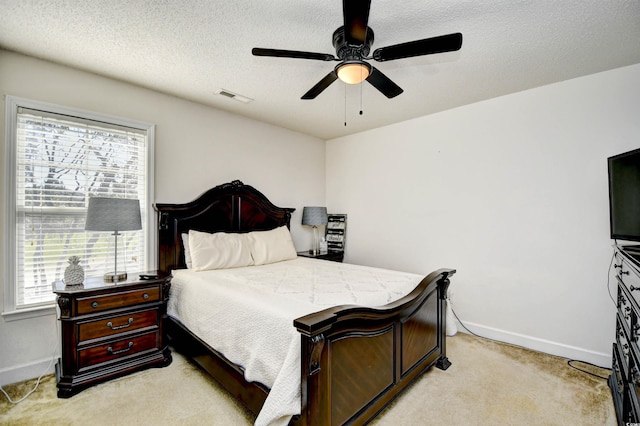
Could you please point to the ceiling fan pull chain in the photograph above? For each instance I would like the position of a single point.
(345, 105)
(361, 97)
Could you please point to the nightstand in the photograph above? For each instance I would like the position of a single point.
(109, 330)
(334, 256)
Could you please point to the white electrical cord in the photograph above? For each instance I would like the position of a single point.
(53, 357)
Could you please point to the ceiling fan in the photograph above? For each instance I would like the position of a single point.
(353, 43)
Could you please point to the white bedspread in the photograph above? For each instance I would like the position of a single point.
(247, 314)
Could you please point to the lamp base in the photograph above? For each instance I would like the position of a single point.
(113, 277)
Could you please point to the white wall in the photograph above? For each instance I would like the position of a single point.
(196, 148)
(512, 192)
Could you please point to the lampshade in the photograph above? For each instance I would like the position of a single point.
(353, 72)
(113, 214)
(314, 216)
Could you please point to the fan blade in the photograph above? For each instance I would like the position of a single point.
(278, 53)
(322, 84)
(383, 83)
(427, 46)
(356, 18)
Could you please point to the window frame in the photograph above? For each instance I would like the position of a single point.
(10, 311)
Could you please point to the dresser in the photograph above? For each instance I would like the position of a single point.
(625, 377)
(109, 330)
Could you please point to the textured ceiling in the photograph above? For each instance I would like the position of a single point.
(191, 49)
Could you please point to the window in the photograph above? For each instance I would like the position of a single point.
(57, 158)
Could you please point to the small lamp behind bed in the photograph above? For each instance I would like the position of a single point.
(314, 216)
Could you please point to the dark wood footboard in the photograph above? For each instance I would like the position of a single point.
(356, 360)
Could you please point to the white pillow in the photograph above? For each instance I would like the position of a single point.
(271, 246)
(218, 251)
(187, 252)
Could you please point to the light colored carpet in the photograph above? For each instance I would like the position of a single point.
(488, 384)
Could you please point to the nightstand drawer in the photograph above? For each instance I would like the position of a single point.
(117, 324)
(119, 300)
(117, 349)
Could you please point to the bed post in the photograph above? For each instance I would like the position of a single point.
(310, 358)
(443, 284)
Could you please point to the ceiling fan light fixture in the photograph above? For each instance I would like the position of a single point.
(353, 72)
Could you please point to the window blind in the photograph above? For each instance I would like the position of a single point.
(62, 161)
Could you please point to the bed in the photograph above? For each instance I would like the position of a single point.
(353, 359)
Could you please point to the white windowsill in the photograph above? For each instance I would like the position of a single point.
(37, 311)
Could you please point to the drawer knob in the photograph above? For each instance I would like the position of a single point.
(118, 327)
(624, 272)
(94, 305)
(145, 296)
(112, 352)
(634, 288)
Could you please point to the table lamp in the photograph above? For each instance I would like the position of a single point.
(113, 215)
(314, 216)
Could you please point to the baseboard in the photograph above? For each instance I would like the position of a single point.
(20, 373)
(540, 345)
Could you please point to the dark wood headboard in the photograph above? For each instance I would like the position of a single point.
(230, 207)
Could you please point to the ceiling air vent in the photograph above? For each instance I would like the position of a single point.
(234, 96)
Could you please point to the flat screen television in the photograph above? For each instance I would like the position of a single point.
(624, 195)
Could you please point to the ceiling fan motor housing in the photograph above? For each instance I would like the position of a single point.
(345, 51)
